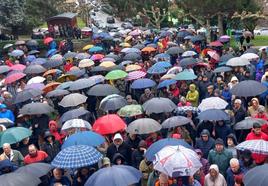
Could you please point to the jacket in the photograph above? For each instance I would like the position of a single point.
(219, 181)
(55, 132)
(15, 158)
(193, 95)
(205, 146)
(41, 157)
(7, 114)
(230, 176)
(123, 149)
(222, 131)
(51, 149)
(239, 115)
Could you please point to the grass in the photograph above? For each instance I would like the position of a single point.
(257, 41)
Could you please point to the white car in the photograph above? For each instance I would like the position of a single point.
(261, 32)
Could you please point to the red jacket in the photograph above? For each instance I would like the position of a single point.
(259, 158)
(149, 140)
(41, 156)
(54, 131)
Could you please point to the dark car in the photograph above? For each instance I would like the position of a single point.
(110, 20)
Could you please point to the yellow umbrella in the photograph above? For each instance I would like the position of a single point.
(107, 64)
(88, 47)
(134, 67)
(125, 45)
(86, 63)
(167, 76)
(66, 77)
(128, 38)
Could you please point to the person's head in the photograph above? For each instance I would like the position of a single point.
(49, 137)
(53, 126)
(57, 173)
(231, 140)
(154, 135)
(133, 136)
(84, 171)
(237, 103)
(256, 128)
(219, 79)
(147, 92)
(183, 100)
(3, 108)
(25, 141)
(163, 179)
(199, 153)
(205, 135)
(192, 87)
(129, 99)
(32, 150)
(213, 170)
(106, 162)
(205, 78)
(234, 165)
(261, 110)
(210, 88)
(225, 87)
(6, 148)
(118, 140)
(234, 80)
(220, 123)
(255, 102)
(219, 145)
(142, 146)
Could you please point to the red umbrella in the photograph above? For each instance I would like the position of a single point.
(18, 67)
(108, 124)
(214, 55)
(48, 40)
(216, 44)
(14, 77)
(97, 57)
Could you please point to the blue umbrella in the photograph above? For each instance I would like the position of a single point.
(162, 55)
(157, 146)
(162, 64)
(119, 175)
(64, 85)
(16, 53)
(39, 61)
(76, 156)
(185, 75)
(214, 115)
(75, 113)
(142, 83)
(84, 138)
(30, 58)
(156, 70)
(166, 83)
(51, 52)
(95, 49)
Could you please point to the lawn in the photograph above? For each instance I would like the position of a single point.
(257, 41)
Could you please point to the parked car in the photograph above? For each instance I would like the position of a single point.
(110, 20)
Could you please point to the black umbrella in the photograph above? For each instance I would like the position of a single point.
(26, 95)
(257, 176)
(33, 52)
(69, 55)
(99, 69)
(188, 61)
(36, 108)
(77, 72)
(52, 63)
(222, 69)
(175, 121)
(123, 63)
(158, 105)
(102, 90)
(57, 93)
(248, 123)
(32, 42)
(34, 69)
(226, 57)
(197, 38)
(39, 61)
(175, 51)
(132, 56)
(111, 55)
(248, 88)
(251, 50)
(35, 169)
(139, 46)
(4, 69)
(73, 114)
(112, 102)
(81, 84)
(14, 179)
(214, 115)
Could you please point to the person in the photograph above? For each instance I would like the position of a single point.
(204, 162)
(145, 167)
(138, 154)
(50, 146)
(210, 91)
(163, 180)
(233, 82)
(105, 162)
(147, 95)
(193, 95)
(6, 113)
(220, 156)
(35, 155)
(222, 130)
(246, 161)
(119, 146)
(12, 155)
(205, 143)
(203, 87)
(226, 95)
(239, 112)
(183, 102)
(257, 134)
(231, 143)
(53, 129)
(253, 109)
(130, 100)
(214, 177)
(58, 177)
(153, 137)
(133, 141)
(118, 159)
(6, 167)
(82, 176)
(233, 171)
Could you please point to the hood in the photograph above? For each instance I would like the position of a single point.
(143, 144)
(234, 78)
(255, 99)
(232, 136)
(205, 132)
(52, 123)
(215, 167)
(192, 87)
(118, 156)
(117, 136)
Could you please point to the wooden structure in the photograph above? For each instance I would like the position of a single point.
(63, 19)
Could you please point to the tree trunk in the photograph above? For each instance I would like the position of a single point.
(208, 30)
(220, 24)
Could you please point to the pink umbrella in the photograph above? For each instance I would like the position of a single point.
(135, 33)
(214, 55)
(48, 40)
(97, 57)
(135, 75)
(216, 44)
(224, 38)
(18, 67)
(38, 86)
(14, 77)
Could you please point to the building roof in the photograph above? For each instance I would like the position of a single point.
(67, 15)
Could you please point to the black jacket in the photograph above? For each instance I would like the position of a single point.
(123, 149)
(51, 150)
(137, 157)
(239, 115)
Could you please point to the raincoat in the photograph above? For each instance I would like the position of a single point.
(192, 95)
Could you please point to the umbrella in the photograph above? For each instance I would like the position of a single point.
(197, 38)
(26, 95)
(81, 84)
(148, 49)
(18, 67)
(248, 88)
(162, 56)
(72, 114)
(212, 103)
(51, 52)
(56, 57)
(135, 75)
(38, 86)
(167, 77)
(134, 67)
(52, 63)
(247, 123)
(76, 156)
(14, 135)
(130, 111)
(51, 86)
(16, 53)
(167, 159)
(97, 79)
(250, 56)
(6, 122)
(6, 46)
(64, 85)
(188, 53)
(73, 100)
(4, 69)
(252, 50)
(142, 83)
(224, 38)
(48, 40)
(107, 64)
(222, 69)
(143, 126)
(95, 49)
(32, 42)
(188, 61)
(86, 63)
(185, 75)
(57, 93)
(174, 51)
(69, 55)
(183, 110)
(34, 69)
(84, 138)
(130, 50)
(132, 56)
(216, 44)
(14, 179)
(226, 57)
(214, 55)
(158, 105)
(256, 176)
(77, 72)
(213, 114)
(174, 70)
(66, 77)
(35, 169)
(14, 77)
(166, 83)
(82, 56)
(116, 74)
(102, 90)
(158, 145)
(52, 72)
(128, 176)
(237, 61)
(111, 55)
(108, 124)
(76, 123)
(162, 64)
(112, 102)
(156, 70)
(36, 108)
(36, 79)
(139, 46)
(256, 146)
(175, 121)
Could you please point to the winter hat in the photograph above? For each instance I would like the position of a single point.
(117, 136)
(143, 144)
(106, 161)
(219, 141)
(256, 125)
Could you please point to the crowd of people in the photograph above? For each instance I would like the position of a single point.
(214, 141)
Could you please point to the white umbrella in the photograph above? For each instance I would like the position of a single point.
(188, 53)
(73, 100)
(212, 103)
(37, 79)
(176, 161)
(255, 146)
(250, 56)
(143, 126)
(76, 123)
(237, 61)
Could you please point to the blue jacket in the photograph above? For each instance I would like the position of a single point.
(7, 114)
(230, 176)
(64, 181)
(52, 45)
(227, 95)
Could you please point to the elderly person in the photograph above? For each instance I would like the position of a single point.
(13, 156)
(232, 171)
(147, 95)
(214, 178)
(239, 112)
(253, 109)
(58, 177)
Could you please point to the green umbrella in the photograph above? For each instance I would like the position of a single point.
(14, 135)
(130, 110)
(185, 75)
(116, 74)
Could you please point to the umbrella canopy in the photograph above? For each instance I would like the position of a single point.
(34, 69)
(143, 126)
(14, 178)
(212, 103)
(158, 145)
(38, 86)
(135, 75)
(73, 100)
(4, 69)
(86, 63)
(14, 135)
(102, 90)
(36, 79)
(64, 85)
(112, 102)
(57, 93)
(256, 176)
(142, 83)
(14, 77)
(76, 156)
(158, 105)
(36, 108)
(174, 51)
(130, 111)
(255, 146)
(72, 114)
(166, 83)
(162, 64)
(167, 158)
(26, 95)
(250, 56)
(6, 122)
(128, 176)
(116, 74)
(16, 53)
(156, 70)
(66, 77)
(188, 53)
(226, 57)
(51, 86)
(82, 83)
(185, 75)
(82, 56)
(108, 124)
(214, 55)
(248, 88)
(175, 121)
(76, 123)
(107, 64)
(53, 63)
(134, 67)
(35, 169)
(18, 67)
(84, 138)
(237, 61)
(148, 49)
(213, 114)
(216, 44)
(69, 55)
(188, 61)
(222, 69)
(247, 123)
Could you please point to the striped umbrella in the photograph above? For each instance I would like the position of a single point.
(135, 75)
